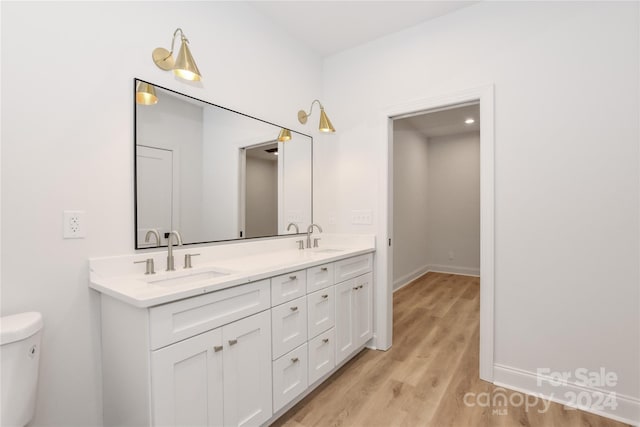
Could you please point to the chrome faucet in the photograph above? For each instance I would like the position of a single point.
(295, 225)
(309, 231)
(152, 232)
(170, 265)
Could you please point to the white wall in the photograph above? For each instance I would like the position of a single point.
(67, 142)
(410, 202)
(566, 165)
(453, 188)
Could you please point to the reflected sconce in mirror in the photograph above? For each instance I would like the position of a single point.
(285, 135)
(325, 124)
(146, 94)
(184, 66)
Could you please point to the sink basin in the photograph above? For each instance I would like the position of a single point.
(192, 278)
(326, 250)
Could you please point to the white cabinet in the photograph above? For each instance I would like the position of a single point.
(289, 321)
(187, 382)
(321, 355)
(288, 286)
(247, 373)
(353, 315)
(321, 306)
(190, 378)
(289, 377)
(319, 277)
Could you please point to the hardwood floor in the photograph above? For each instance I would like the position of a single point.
(423, 378)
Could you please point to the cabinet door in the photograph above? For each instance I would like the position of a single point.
(289, 322)
(363, 305)
(187, 385)
(289, 377)
(322, 355)
(345, 330)
(321, 307)
(247, 370)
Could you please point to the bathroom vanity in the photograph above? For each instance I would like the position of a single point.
(236, 340)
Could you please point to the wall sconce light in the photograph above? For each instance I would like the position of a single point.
(184, 67)
(285, 135)
(325, 124)
(146, 94)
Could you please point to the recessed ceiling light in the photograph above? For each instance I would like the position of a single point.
(469, 121)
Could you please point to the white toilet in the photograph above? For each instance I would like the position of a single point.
(20, 336)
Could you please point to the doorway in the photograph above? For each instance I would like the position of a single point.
(384, 255)
(436, 193)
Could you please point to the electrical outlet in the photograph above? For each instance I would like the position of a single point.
(452, 254)
(73, 225)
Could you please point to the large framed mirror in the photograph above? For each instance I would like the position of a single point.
(215, 174)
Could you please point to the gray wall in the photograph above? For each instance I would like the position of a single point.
(261, 197)
(436, 198)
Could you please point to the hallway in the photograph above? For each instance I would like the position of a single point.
(423, 379)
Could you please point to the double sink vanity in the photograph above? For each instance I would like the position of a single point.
(238, 338)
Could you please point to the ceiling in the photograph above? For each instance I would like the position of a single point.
(328, 27)
(445, 122)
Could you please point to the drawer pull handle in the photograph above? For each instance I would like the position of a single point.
(293, 277)
(294, 359)
(217, 348)
(326, 340)
(323, 268)
(233, 342)
(325, 296)
(293, 308)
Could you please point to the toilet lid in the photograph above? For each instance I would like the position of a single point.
(19, 326)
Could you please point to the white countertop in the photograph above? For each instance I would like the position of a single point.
(240, 263)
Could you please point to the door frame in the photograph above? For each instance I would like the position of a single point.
(384, 252)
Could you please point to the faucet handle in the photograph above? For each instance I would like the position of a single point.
(149, 268)
(315, 241)
(187, 260)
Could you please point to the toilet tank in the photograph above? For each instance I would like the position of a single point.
(20, 336)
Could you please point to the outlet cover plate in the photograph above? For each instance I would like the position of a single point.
(74, 225)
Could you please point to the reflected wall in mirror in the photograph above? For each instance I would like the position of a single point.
(215, 174)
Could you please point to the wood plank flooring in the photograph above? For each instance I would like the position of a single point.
(423, 378)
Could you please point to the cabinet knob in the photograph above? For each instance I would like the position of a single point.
(360, 287)
(233, 342)
(325, 296)
(293, 308)
(326, 340)
(323, 269)
(217, 348)
(294, 359)
(355, 289)
(293, 277)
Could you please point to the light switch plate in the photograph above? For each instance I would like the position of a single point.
(363, 217)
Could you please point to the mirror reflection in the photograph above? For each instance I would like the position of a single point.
(215, 174)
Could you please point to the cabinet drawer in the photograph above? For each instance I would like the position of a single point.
(289, 326)
(321, 306)
(182, 319)
(352, 267)
(321, 355)
(289, 377)
(319, 277)
(288, 286)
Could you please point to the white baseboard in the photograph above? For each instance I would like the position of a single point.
(408, 278)
(436, 268)
(568, 393)
(453, 269)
